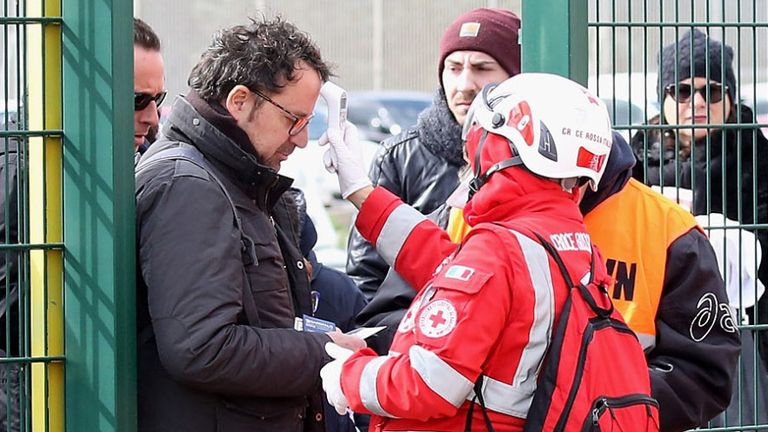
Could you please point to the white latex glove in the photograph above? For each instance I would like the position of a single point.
(331, 376)
(344, 157)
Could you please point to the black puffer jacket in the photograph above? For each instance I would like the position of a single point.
(421, 166)
(722, 162)
(206, 362)
(739, 175)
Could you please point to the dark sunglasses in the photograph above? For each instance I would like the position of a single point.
(682, 93)
(142, 100)
(299, 123)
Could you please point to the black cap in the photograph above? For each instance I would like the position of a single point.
(694, 46)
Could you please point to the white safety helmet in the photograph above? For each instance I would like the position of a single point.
(555, 128)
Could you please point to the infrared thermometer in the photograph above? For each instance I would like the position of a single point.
(336, 99)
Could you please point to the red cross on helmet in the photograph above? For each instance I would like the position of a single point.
(553, 126)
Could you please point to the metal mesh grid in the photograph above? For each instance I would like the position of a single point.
(17, 137)
(625, 39)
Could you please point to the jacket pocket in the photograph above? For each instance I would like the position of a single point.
(232, 417)
(639, 412)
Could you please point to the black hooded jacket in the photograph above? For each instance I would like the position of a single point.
(722, 182)
(205, 362)
(721, 160)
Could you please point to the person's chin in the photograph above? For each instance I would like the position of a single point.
(274, 164)
(138, 140)
(460, 112)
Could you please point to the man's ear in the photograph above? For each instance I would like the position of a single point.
(237, 102)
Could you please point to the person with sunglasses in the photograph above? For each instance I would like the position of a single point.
(148, 83)
(148, 75)
(222, 286)
(707, 143)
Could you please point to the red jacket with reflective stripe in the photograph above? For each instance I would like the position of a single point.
(488, 309)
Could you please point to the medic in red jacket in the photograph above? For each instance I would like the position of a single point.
(485, 313)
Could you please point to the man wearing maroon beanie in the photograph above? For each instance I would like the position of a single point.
(478, 48)
(422, 164)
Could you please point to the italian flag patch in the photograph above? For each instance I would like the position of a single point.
(458, 272)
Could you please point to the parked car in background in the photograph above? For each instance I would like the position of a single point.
(625, 114)
(305, 166)
(321, 191)
(631, 98)
(377, 116)
(381, 114)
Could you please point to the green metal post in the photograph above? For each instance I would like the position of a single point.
(554, 38)
(99, 218)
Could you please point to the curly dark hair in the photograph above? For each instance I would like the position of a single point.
(144, 36)
(259, 56)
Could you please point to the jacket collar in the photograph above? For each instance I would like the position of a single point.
(618, 171)
(222, 150)
(439, 131)
(516, 192)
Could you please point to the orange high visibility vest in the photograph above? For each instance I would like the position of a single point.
(633, 229)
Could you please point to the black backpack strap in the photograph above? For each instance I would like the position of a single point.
(247, 248)
(479, 397)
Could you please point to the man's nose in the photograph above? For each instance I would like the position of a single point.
(301, 139)
(466, 82)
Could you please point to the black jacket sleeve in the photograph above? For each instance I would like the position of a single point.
(193, 269)
(693, 364)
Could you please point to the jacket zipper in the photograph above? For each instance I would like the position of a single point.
(605, 403)
(266, 193)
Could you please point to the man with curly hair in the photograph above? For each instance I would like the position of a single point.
(221, 280)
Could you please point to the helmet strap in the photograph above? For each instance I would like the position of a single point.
(479, 180)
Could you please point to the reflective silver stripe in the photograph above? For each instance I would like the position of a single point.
(396, 229)
(515, 398)
(503, 398)
(368, 393)
(543, 313)
(439, 376)
(647, 341)
(586, 278)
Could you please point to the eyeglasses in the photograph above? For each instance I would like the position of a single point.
(142, 100)
(682, 93)
(299, 123)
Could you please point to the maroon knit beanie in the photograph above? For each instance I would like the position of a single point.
(492, 31)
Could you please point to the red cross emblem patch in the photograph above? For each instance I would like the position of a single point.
(437, 319)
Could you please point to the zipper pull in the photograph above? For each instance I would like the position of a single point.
(596, 411)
